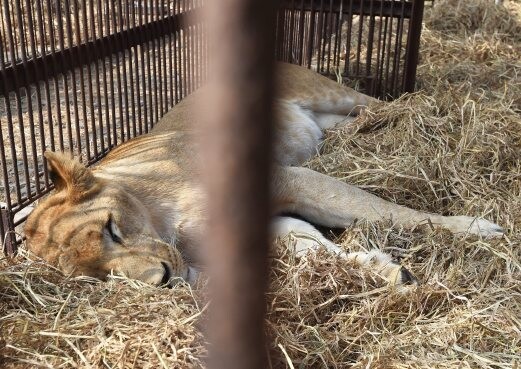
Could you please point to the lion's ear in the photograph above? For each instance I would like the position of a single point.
(69, 174)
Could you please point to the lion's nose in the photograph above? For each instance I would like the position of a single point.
(157, 275)
(167, 274)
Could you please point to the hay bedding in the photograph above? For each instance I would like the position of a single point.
(453, 147)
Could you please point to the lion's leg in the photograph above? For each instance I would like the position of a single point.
(298, 131)
(343, 101)
(327, 201)
(327, 120)
(335, 109)
(305, 238)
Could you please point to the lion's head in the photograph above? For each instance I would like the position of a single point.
(91, 226)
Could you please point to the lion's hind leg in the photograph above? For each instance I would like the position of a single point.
(304, 238)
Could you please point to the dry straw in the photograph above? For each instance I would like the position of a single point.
(454, 147)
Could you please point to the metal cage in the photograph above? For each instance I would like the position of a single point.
(369, 44)
(86, 75)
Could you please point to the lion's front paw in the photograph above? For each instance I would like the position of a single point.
(384, 265)
(476, 226)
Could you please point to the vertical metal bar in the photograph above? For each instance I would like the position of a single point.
(13, 51)
(329, 35)
(381, 86)
(325, 40)
(207, 51)
(282, 39)
(73, 75)
(388, 56)
(171, 59)
(320, 36)
(7, 190)
(149, 90)
(177, 63)
(336, 53)
(7, 235)
(12, 147)
(118, 78)
(359, 42)
(192, 57)
(85, 27)
(291, 33)
(37, 73)
(301, 27)
(305, 31)
(154, 67)
(142, 46)
(279, 35)
(22, 46)
(104, 73)
(398, 51)
(184, 56)
(164, 78)
(236, 177)
(5, 177)
(370, 44)
(195, 44)
(288, 33)
(311, 35)
(77, 32)
(376, 84)
(413, 45)
(139, 58)
(125, 123)
(23, 41)
(347, 72)
(183, 66)
(200, 49)
(98, 84)
(161, 82)
(61, 40)
(113, 126)
(3, 31)
(132, 53)
(18, 99)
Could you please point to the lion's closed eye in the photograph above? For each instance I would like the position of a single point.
(113, 230)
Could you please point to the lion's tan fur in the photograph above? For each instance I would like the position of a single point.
(147, 190)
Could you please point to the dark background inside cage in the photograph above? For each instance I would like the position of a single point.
(86, 75)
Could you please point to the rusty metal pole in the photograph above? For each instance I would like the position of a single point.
(236, 161)
(413, 45)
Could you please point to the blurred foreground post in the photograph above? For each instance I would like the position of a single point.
(235, 162)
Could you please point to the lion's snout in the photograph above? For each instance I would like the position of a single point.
(156, 276)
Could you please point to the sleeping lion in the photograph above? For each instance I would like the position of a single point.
(140, 212)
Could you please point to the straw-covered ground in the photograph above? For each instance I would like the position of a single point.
(454, 147)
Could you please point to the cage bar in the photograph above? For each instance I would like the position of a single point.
(236, 179)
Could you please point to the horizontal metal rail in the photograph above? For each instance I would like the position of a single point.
(359, 7)
(65, 60)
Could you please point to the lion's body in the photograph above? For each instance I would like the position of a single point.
(144, 201)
